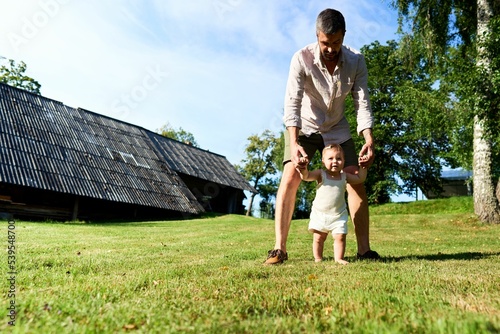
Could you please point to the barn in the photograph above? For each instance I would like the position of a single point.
(59, 162)
(455, 182)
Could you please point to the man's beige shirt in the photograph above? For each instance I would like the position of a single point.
(315, 100)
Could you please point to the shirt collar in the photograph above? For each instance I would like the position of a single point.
(317, 57)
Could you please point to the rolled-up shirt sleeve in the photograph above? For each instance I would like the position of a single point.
(294, 93)
(361, 97)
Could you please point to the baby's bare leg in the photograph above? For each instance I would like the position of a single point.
(318, 245)
(339, 248)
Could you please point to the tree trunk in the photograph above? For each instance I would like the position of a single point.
(485, 200)
(249, 210)
(498, 190)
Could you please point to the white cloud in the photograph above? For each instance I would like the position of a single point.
(217, 68)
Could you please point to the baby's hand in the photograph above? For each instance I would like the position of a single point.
(301, 165)
(362, 159)
(303, 161)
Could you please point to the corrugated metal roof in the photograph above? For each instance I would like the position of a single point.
(47, 145)
(456, 174)
(192, 161)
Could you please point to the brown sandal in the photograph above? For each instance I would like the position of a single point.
(276, 256)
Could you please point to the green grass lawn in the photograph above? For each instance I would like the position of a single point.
(440, 273)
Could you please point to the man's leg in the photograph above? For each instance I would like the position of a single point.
(287, 191)
(358, 204)
(285, 204)
(358, 208)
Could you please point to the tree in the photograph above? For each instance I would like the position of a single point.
(486, 202)
(259, 166)
(410, 136)
(14, 76)
(180, 135)
(442, 26)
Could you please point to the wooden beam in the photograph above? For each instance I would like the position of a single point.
(75, 208)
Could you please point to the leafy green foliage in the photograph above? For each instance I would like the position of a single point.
(475, 92)
(177, 134)
(259, 167)
(462, 36)
(411, 121)
(430, 23)
(14, 75)
(458, 81)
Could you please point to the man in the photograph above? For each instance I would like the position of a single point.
(321, 76)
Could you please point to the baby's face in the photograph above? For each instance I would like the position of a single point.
(333, 160)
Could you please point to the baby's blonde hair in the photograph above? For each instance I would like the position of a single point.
(334, 147)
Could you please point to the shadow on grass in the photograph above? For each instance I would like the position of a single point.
(428, 257)
(442, 257)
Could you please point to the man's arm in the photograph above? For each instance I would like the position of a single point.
(292, 110)
(361, 97)
(365, 119)
(294, 93)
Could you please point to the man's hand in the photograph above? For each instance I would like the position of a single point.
(302, 164)
(299, 156)
(366, 156)
(362, 160)
(367, 153)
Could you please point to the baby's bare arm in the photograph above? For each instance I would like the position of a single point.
(307, 175)
(358, 178)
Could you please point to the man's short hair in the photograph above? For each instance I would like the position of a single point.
(330, 21)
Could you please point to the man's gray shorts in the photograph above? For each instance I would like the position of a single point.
(314, 143)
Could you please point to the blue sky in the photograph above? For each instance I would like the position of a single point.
(216, 68)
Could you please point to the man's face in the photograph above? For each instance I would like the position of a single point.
(330, 44)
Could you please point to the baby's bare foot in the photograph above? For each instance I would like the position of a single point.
(343, 262)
